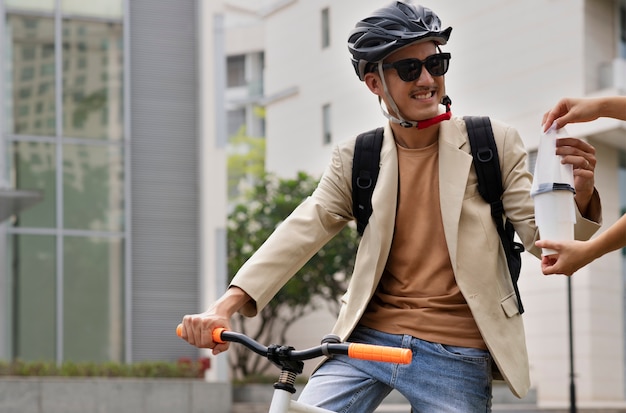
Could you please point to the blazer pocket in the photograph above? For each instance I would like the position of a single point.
(509, 305)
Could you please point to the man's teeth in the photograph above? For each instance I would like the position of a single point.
(423, 95)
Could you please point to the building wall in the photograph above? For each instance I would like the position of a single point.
(165, 172)
(490, 72)
(116, 257)
(212, 169)
(600, 22)
(598, 301)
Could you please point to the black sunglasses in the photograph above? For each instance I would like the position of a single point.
(411, 69)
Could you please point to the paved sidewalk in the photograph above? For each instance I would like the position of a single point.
(405, 408)
(257, 400)
(395, 408)
(250, 408)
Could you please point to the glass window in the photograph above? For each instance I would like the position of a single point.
(93, 187)
(87, 95)
(28, 73)
(23, 110)
(97, 8)
(325, 28)
(92, 177)
(43, 89)
(47, 69)
(236, 68)
(32, 269)
(93, 299)
(25, 93)
(28, 53)
(326, 124)
(29, 40)
(35, 5)
(32, 165)
(236, 120)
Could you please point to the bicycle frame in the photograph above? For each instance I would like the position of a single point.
(291, 363)
(283, 403)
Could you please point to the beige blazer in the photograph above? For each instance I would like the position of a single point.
(477, 257)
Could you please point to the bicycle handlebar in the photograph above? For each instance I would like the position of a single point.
(354, 350)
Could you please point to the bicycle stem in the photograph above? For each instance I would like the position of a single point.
(281, 356)
(286, 381)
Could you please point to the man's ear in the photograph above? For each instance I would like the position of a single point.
(372, 80)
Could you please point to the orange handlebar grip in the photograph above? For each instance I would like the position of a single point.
(380, 353)
(217, 335)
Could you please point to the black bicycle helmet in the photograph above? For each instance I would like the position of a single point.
(390, 28)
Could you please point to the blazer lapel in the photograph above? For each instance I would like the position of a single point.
(384, 198)
(454, 166)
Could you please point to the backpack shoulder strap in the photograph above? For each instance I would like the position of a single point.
(486, 161)
(365, 166)
(487, 166)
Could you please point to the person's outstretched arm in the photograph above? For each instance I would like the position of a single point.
(572, 110)
(573, 255)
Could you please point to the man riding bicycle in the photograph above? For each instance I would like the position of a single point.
(430, 272)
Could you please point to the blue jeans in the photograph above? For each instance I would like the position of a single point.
(439, 379)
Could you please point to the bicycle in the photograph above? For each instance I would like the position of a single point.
(291, 363)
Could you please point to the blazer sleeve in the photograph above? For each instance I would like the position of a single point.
(304, 232)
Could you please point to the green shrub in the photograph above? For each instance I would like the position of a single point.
(184, 368)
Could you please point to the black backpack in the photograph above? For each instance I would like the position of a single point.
(486, 162)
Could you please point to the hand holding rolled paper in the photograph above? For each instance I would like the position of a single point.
(553, 191)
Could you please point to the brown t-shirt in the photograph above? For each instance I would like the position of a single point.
(417, 294)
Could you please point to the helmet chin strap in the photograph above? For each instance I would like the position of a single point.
(422, 124)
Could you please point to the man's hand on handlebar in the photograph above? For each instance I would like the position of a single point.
(197, 328)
